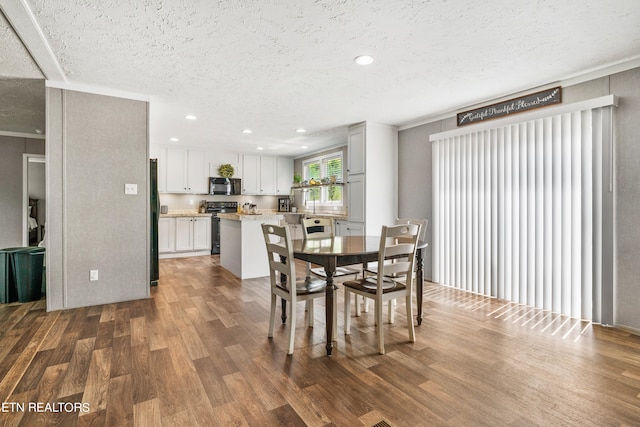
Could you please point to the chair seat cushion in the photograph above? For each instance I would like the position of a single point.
(309, 285)
(370, 285)
(340, 271)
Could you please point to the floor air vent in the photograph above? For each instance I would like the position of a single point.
(382, 423)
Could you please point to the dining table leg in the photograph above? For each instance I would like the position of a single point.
(419, 284)
(330, 269)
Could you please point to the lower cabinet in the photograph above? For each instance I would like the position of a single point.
(295, 230)
(166, 235)
(349, 228)
(184, 236)
(202, 233)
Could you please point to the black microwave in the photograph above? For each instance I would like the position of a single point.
(225, 186)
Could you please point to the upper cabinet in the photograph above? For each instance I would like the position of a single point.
(266, 175)
(356, 150)
(250, 174)
(268, 172)
(187, 171)
(284, 175)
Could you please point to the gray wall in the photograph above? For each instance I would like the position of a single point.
(414, 180)
(627, 198)
(415, 194)
(11, 151)
(95, 145)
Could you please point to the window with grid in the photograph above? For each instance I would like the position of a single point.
(325, 167)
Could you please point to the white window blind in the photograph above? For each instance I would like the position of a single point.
(518, 209)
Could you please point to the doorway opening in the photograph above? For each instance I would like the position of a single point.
(33, 199)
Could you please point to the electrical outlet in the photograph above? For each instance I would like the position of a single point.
(93, 275)
(191, 201)
(131, 189)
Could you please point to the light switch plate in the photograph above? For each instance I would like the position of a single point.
(131, 189)
(93, 275)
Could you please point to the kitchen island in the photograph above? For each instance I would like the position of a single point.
(242, 248)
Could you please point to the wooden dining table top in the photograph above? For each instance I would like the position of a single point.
(341, 245)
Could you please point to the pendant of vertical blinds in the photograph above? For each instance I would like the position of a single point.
(517, 211)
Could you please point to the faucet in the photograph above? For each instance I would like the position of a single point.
(309, 191)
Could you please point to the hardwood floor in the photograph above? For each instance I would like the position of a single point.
(197, 353)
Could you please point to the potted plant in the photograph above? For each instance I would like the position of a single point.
(226, 170)
(297, 179)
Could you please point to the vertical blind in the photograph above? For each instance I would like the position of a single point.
(517, 210)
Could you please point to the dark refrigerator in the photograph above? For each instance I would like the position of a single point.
(155, 216)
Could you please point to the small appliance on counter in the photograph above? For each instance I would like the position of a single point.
(284, 205)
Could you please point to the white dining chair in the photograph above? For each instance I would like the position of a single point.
(285, 284)
(394, 279)
(372, 268)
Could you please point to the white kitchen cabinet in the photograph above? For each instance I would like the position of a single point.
(349, 228)
(201, 233)
(295, 230)
(184, 233)
(268, 168)
(160, 153)
(356, 150)
(187, 171)
(356, 197)
(284, 175)
(198, 172)
(193, 233)
(166, 235)
(266, 175)
(250, 174)
(372, 176)
(184, 236)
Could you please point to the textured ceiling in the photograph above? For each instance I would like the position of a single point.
(277, 66)
(15, 61)
(22, 102)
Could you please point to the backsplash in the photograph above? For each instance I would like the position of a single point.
(183, 201)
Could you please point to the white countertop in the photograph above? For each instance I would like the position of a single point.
(177, 213)
(251, 217)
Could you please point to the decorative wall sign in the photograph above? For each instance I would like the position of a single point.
(517, 105)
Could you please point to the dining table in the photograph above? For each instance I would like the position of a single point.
(338, 251)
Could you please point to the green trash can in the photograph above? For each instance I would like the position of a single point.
(27, 265)
(8, 290)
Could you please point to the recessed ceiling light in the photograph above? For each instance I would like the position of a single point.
(260, 148)
(300, 130)
(363, 60)
(246, 130)
(174, 139)
(190, 117)
(304, 146)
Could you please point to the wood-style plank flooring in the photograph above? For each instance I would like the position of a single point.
(197, 354)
